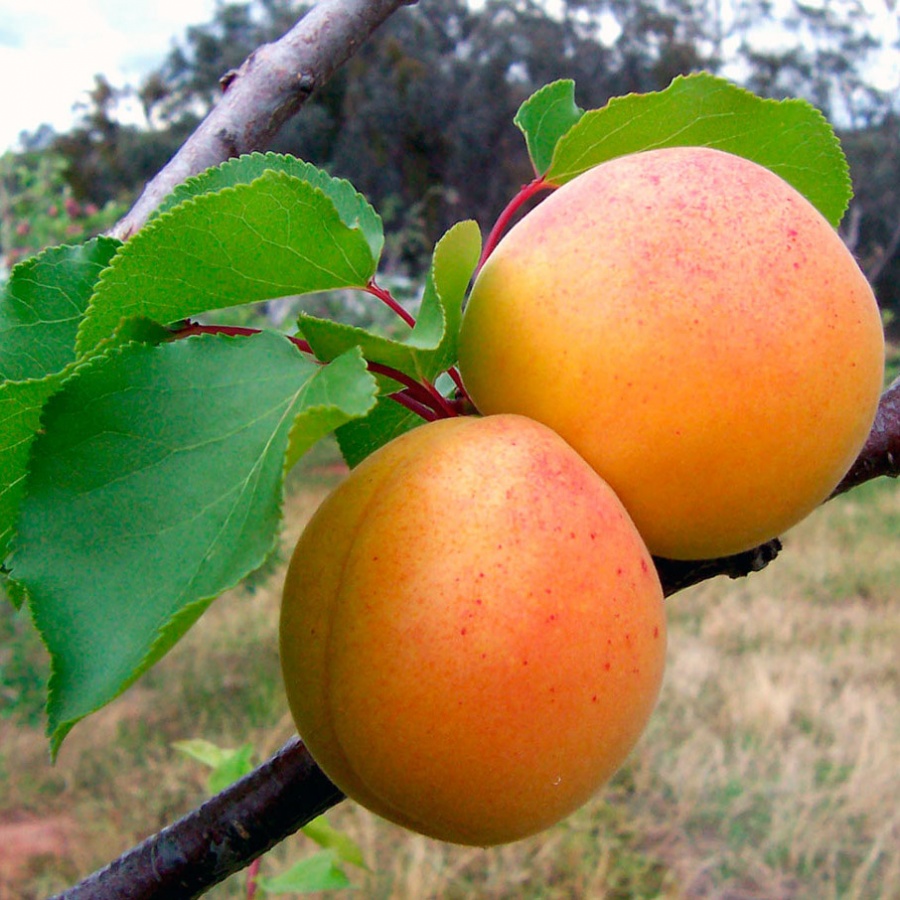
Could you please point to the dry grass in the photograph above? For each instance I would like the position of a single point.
(769, 770)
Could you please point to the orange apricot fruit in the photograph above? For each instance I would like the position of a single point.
(472, 631)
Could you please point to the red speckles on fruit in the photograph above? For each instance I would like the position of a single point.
(446, 686)
(707, 280)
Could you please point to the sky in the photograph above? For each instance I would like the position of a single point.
(50, 51)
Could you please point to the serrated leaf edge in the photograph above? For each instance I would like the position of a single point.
(234, 163)
(842, 171)
(161, 221)
(177, 625)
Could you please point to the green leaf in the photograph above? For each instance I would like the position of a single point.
(21, 403)
(277, 236)
(205, 752)
(234, 767)
(327, 836)
(790, 137)
(544, 118)
(431, 346)
(156, 486)
(228, 765)
(355, 211)
(361, 437)
(347, 392)
(41, 307)
(319, 872)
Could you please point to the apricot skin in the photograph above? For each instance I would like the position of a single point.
(472, 631)
(696, 330)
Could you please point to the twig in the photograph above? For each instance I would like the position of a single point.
(881, 454)
(268, 88)
(676, 574)
(228, 832)
(220, 837)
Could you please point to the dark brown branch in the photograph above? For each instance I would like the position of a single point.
(228, 832)
(881, 454)
(220, 837)
(269, 88)
(677, 574)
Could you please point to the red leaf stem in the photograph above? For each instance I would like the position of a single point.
(388, 299)
(422, 410)
(453, 372)
(525, 194)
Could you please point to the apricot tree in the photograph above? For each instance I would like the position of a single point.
(139, 437)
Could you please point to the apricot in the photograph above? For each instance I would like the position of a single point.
(696, 330)
(472, 631)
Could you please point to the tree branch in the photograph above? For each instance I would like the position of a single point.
(219, 838)
(235, 827)
(881, 454)
(269, 87)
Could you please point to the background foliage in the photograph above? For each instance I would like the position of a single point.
(419, 119)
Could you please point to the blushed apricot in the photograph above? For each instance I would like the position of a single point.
(472, 631)
(696, 330)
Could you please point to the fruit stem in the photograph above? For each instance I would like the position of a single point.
(388, 299)
(526, 192)
(422, 391)
(453, 372)
(404, 398)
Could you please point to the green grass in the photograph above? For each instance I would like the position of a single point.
(769, 768)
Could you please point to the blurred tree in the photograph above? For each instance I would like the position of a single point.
(822, 51)
(872, 228)
(420, 120)
(38, 209)
(828, 52)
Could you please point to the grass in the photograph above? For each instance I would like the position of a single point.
(769, 769)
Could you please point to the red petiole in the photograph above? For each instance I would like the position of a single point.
(527, 191)
(388, 299)
(253, 878)
(421, 397)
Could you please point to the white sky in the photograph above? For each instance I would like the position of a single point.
(50, 51)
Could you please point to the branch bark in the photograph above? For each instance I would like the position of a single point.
(235, 827)
(881, 454)
(219, 838)
(269, 87)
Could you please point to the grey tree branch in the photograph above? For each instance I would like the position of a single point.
(269, 87)
(881, 454)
